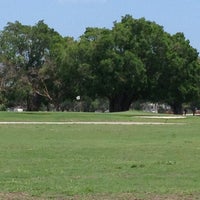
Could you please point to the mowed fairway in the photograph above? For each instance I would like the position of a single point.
(83, 161)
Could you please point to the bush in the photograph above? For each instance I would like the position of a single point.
(3, 107)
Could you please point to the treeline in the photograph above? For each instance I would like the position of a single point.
(135, 60)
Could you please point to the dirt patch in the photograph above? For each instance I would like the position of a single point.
(129, 196)
(89, 123)
(173, 197)
(132, 197)
(17, 196)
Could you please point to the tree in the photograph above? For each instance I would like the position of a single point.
(115, 70)
(135, 60)
(68, 80)
(179, 78)
(27, 50)
(14, 84)
(124, 60)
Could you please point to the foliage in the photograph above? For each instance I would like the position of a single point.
(25, 51)
(134, 60)
(115, 69)
(138, 60)
(179, 80)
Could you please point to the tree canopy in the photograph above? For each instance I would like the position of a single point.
(134, 60)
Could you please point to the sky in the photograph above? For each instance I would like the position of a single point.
(72, 17)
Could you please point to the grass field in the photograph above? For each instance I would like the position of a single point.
(99, 161)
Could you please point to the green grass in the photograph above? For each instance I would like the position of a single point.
(60, 116)
(68, 160)
(68, 116)
(80, 116)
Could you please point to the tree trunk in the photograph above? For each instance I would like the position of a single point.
(120, 103)
(177, 108)
(33, 102)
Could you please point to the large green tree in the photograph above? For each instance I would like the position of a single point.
(179, 75)
(137, 59)
(106, 63)
(25, 50)
(134, 60)
(15, 84)
(124, 62)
